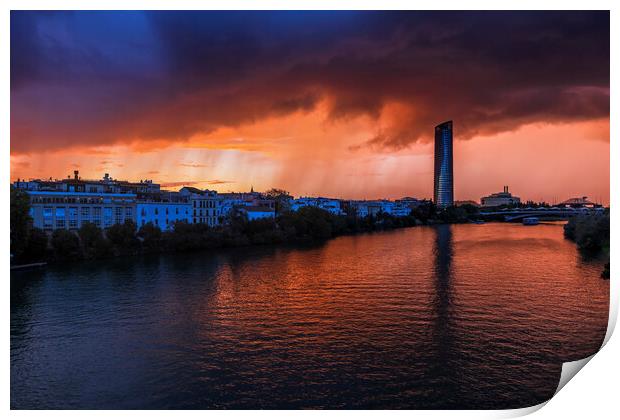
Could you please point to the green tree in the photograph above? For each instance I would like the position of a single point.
(425, 211)
(20, 221)
(281, 198)
(66, 245)
(605, 273)
(151, 237)
(89, 234)
(36, 249)
(590, 233)
(123, 237)
(453, 214)
(94, 244)
(313, 222)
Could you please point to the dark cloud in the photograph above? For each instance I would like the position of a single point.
(96, 78)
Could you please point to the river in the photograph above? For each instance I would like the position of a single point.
(461, 316)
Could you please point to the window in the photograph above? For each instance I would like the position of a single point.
(60, 212)
(60, 217)
(128, 213)
(107, 216)
(73, 217)
(177, 210)
(47, 217)
(118, 215)
(156, 211)
(85, 213)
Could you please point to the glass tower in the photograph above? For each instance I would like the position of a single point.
(444, 186)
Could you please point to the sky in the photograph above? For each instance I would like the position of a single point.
(335, 103)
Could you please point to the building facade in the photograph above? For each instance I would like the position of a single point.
(331, 205)
(70, 210)
(163, 214)
(365, 208)
(504, 198)
(206, 205)
(257, 212)
(443, 193)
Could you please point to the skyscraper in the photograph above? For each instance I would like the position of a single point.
(444, 185)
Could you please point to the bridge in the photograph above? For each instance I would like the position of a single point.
(515, 214)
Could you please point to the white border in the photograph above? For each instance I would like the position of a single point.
(594, 394)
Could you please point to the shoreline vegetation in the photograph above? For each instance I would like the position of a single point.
(591, 234)
(306, 225)
(30, 245)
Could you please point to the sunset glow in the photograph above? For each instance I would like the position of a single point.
(352, 119)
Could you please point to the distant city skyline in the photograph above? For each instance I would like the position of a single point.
(175, 187)
(339, 104)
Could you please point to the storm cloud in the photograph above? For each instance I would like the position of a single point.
(100, 78)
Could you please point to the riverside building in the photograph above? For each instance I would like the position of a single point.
(331, 205)
(504, 198)
(206, 205)
(71, 202)
(163, 210)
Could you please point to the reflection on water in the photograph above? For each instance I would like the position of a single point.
(467, 316)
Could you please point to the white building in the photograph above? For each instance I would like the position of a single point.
(257, 212)
(374, 207)
(206, 206)
(331, 205)
(504, 198)
(69, 210)
(230, 202)
(163, 214)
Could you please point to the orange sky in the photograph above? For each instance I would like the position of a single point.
(332, 103)
(308, 154)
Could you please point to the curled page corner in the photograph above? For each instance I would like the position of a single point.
(613, 316)
(520, 412)
(569, 370)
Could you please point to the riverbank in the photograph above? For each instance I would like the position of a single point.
(308, 225)
(591, 234)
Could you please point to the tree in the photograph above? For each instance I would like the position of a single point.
(66, 245)
(470, 210)
(590, 233)
(89, 234)
(93, 242)
(281, 198)
(36, 248)
(151, 237)
(123, 237)
(20, 221)
(425, 211)
(313, 222)
(453, 214)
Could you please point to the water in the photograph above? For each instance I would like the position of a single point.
(464, 316)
